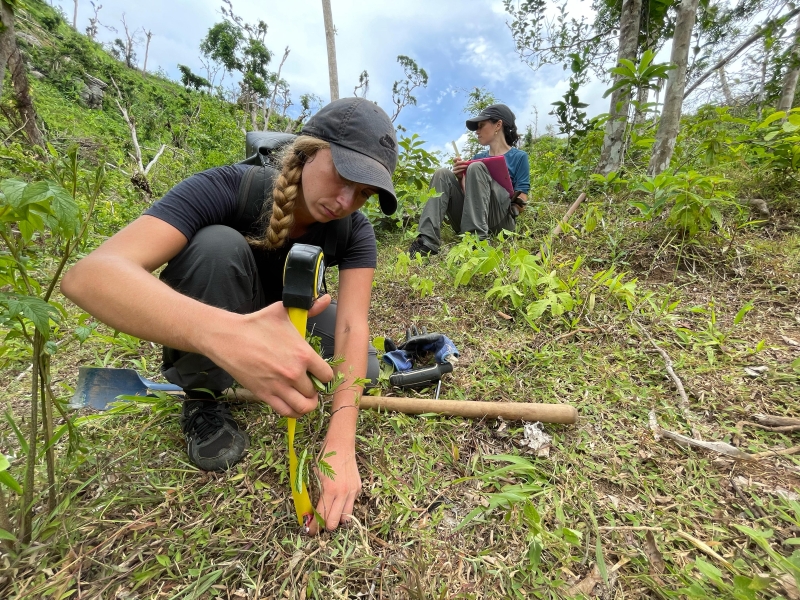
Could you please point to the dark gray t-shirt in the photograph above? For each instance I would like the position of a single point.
(209, 198)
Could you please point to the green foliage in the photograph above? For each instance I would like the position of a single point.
(411, 178)
(694, 201)
(571, 118)
(415, 76)
(645, 75)
(530, 286)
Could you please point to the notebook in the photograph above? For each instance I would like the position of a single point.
(498, 169)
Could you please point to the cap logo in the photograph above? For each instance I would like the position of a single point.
(387, 142)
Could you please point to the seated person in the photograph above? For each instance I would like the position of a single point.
(471, 200)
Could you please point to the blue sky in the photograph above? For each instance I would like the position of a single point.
(460, 43)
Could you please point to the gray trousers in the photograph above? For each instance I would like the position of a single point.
(482, 209)
(218, 268)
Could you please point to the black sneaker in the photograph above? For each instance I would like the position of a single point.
(419, 246)
(214, 440)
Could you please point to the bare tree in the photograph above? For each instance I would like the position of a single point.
(148, 35)
(330, 33)
(275, 89)
(614, 138)
(125, 50)
(792, 73)
(94, 22)
(676, 84)
(11, 56)
(139, 177)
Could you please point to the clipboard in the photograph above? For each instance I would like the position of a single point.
(498, 169)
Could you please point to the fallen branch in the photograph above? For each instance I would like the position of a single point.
(719, 447)
(778, 429)
(775, 421)
(770, 453)
(565, 219)
(628, 528)
(675, 379)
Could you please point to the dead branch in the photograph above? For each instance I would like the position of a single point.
(675, 379)
(775, 421)
(565, 219)
(131, 127)
(777, 429)
(770, 453)
(275, 90)
(155, 159)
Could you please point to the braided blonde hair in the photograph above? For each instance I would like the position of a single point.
(280, 215)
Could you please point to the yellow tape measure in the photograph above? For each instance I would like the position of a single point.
(303, 276)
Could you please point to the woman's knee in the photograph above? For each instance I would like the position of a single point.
(477, 167)
(217, 267)
(442, 176)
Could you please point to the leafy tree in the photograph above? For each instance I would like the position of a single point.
(240, 47)
(190, 80)
(416, 77)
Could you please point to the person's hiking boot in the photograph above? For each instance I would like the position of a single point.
(419, 246)
(214, 440)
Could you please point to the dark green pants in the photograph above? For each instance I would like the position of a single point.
(217, 268)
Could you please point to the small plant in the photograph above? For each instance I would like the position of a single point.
(40, 220)
(693, 200)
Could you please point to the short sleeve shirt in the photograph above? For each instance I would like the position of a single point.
(210, 198)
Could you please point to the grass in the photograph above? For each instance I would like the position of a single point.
(610, 510)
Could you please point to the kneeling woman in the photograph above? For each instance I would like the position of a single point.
(216, 308)
(469, 198)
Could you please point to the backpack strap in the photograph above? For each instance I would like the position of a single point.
(255, 192)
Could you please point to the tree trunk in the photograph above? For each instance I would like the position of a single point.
(676, 84)
(614, 139)
(7, 39)
(726, 89)
(762, 84)
(149, 34)
(19, 76)
(790, 80)
(642, 95)
(275, 90)
(330, 32)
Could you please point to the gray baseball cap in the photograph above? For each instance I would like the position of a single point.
(363, 144)
(495, 112)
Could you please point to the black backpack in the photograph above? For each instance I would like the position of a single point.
(262, 150)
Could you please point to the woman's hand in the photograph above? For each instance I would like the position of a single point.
(459, 167)
(338, 494)
(264, 352)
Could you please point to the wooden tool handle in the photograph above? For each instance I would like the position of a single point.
(511, 411)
